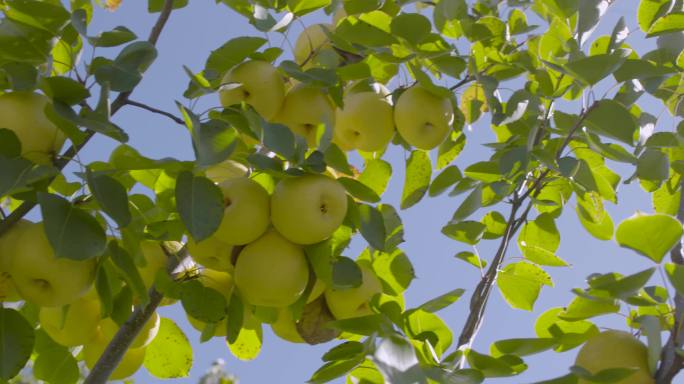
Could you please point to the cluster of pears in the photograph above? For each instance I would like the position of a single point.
(615, 349)
(365, 122)
(258, 248)
(70, 309)
(24, 114)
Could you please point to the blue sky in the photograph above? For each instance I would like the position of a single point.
(189, 37)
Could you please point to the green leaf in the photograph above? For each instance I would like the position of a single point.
(128, 270)
(666, 198)
(51, 17)
(581, 308)
(496, 225)
(23, 43)
(280, 139)
(56, 366)
(111, 196)
(372, 226)
(418, 174)
(125, 72)
(370, 29)
(334, 369)
(593, 216)
(675, 273)
(154, 6)
(650, 235)
(376, 175)
(653, 165)
(622, 287)
(247, 343)
(520, 284)
(302, 7)
(588, 16)
(448, 177)
(470, 205)
(200, 205)
(469, 232)
(472, 259)
(594, 68)
(442, 301)
(230, 54)
(423, 325)
(213, 141)
(72, 232)
(169, 355)
(394, 270)
(91, 120)
(485, 171)
(16, 342)
(495, 367)
(450, 149)
(649, 11)
(117, 36)
(359, 190)
(521, 347)
(673, 22)
(412, 27)
(346, 273)
(203, 303)
(20, 76)
(18, 174)
(539, 240)
(568, 334)
(64, 89)
(611, 119)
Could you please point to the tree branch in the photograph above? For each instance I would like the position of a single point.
(171, 116)
(71, 153)
(478, 301)
(117, 347)
(671, 362)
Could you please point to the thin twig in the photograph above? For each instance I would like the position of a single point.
(70, 153)
(671, 361)
(171, 116)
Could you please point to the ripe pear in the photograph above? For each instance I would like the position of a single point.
(225, 170)
(258, 84)
(304, 109)
(423, 119)
(354, 302)
(308, 209)
(8, 242)
(212, 253)
(271, 272)
(149, 331)
(42, 278)
(73, 326)
(246, 213)
(224, 284)
(7, 291)
(285, 327)
(366, 122)
(313, 47)
(24, 114)
(131, 361)
(615, 349)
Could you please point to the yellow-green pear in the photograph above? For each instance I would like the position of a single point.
(308, 209)
(149, 331)
(131, 361)
(224, 284)
(74, 325)
(225, 170)
(285, 327)
(271, 272)
(212, 253)
(615, 349)
(366, 122)
(246, 213)
(7, 291)
(8, 243)
(258, 84)
(354, 302)
(317, 290)
(42, 278)
(423, 119)
(24, 114)
(304, 109)
(155, 261)
(312, 43)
